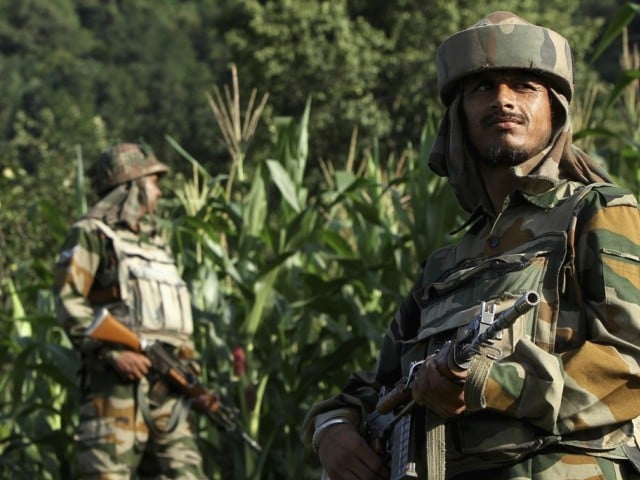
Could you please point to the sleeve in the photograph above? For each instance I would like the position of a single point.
(594, 384)
(360, 394)
(75, 272)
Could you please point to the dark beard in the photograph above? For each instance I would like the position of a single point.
(498, 156)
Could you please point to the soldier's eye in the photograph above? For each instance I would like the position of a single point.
(482, 86)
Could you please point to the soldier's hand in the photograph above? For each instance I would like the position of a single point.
(345, 455)
(439, 389)
(131, 365)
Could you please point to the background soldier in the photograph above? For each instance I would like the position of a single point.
(562, 401)
(114, 263)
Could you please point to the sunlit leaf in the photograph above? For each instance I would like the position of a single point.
(284, 183)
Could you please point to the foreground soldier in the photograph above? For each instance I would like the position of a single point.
(559, 396)
(115, 263)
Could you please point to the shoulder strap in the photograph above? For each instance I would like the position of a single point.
(100, 225)
(570, 270)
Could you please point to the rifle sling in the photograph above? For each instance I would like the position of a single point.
(436, 446)
(178, 413)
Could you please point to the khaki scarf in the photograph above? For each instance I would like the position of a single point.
(560, 160)
(123, 205)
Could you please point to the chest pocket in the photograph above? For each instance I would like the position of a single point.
(153, 298)
(455, 299)
(158, 297)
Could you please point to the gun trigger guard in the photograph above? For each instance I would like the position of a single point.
(493, 353)
(413, 367)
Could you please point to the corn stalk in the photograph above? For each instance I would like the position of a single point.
(236, 131)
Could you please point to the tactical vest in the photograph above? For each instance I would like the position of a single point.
(458, 278)
(153, 299)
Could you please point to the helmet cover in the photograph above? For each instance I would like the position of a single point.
(125, 162)
(503, 40)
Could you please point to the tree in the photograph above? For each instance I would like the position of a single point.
(316, 49)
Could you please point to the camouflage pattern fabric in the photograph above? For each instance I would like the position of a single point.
(580, 390)
(568, 381)
(79, 271)
(125, 162)
(114, 443)
(153, 298)
(556, 465)
(504, 40)
(87, 277)
(562, 402)
(449, 156)
(112, 438)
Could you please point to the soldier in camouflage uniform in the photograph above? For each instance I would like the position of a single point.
(115, 263)
(563, 400)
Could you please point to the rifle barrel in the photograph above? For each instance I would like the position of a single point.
(504, 319)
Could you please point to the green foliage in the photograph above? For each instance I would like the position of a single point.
(299, 266)
(368, 65)
(302, 280)
(79, 74)
(614, 129)
(330, 55)
(86, 73)
(38, 370)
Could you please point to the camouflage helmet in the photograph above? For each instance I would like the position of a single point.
(502, 40)
(122, 163)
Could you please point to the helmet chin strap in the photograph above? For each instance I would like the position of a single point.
(140, 185)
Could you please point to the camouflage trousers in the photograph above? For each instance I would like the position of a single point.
(114, 442)
(556, 465)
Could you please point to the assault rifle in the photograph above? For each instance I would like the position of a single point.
(390, 428)
(176, 371)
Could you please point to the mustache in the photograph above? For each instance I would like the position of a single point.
(493, 118)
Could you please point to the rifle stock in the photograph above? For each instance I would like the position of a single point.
(107, 329)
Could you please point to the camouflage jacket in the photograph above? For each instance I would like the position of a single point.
(94, 276)
(569, 370)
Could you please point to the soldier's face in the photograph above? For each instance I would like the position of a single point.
(508, 115)
(151, 193)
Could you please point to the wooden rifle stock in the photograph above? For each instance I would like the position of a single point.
(107, 329)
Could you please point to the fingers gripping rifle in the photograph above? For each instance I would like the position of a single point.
(179, 374)
(389, 427)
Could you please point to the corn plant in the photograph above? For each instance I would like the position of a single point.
(37, 413)
(294, 277)
(613, 132)
(293, 283)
